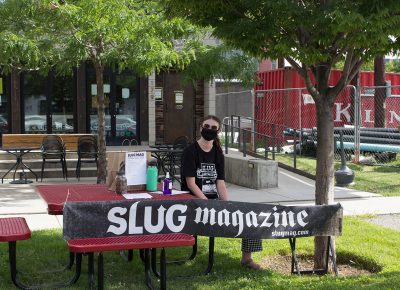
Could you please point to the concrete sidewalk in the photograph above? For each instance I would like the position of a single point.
(295, 189)
(23, 200)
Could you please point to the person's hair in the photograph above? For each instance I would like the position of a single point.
(216, 142)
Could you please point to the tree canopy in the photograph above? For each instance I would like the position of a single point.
(18, 46)
(222, 62)
(309, 34)
(122, 34)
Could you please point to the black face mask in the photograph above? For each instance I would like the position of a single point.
(209, 134)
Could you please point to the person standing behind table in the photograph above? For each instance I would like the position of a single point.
(203, 174)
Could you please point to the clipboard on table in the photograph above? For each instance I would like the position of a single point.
(117, 162)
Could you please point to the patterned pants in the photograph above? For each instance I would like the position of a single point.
(249, 245)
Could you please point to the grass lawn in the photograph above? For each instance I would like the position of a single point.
(376, 179)
(362, 243)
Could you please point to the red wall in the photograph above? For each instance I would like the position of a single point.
(289, 78)
(290, 108)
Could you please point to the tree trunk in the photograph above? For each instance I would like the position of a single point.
(380, 93)
(102, 168)
(324, 182)
(281, 62)
(16, 120)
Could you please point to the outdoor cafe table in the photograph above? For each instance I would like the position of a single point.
(56, 195)
(19, 152)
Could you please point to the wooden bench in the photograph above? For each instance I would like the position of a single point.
(144, 242)
(12, 230)
(35, 140)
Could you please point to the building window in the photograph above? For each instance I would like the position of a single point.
(48, 103)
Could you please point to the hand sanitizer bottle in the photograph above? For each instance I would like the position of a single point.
(167, 184)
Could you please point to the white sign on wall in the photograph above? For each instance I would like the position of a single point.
(158, 92)
(178, 97)
(307, 99)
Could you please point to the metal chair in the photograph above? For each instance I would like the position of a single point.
(129, 142)
(173, 160)
(181, 142)
(87, 152)
(53, 150)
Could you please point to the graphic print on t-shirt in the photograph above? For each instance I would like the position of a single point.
(207, 173)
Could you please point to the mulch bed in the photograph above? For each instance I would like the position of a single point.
(282, 264)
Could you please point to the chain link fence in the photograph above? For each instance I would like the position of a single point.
(366, 126)
(290, 115)
(379, 124)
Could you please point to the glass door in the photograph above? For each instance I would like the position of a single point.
(48, 103)
(125, 107)
(120, 92)
(62, 105)
(92, 102)
(35, 103)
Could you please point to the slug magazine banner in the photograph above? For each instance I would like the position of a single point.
(199, 217)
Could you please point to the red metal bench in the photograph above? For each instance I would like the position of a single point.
(12, 230)
(143, 242)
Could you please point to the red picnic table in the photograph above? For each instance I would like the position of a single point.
(56, 195)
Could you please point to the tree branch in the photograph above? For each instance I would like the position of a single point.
(233, 9)
(313, 70)
(335, 58)
(296, 66)
(334, 51)
(73, 28)
(348, 65)
(303, 70)
(303, 36)
(356, 68)
(310, 86)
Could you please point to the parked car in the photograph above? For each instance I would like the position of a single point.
(39, 123)
(35, 123)
(63, 127)
(124, 123)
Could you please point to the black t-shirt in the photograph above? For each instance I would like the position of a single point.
(206, 167)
